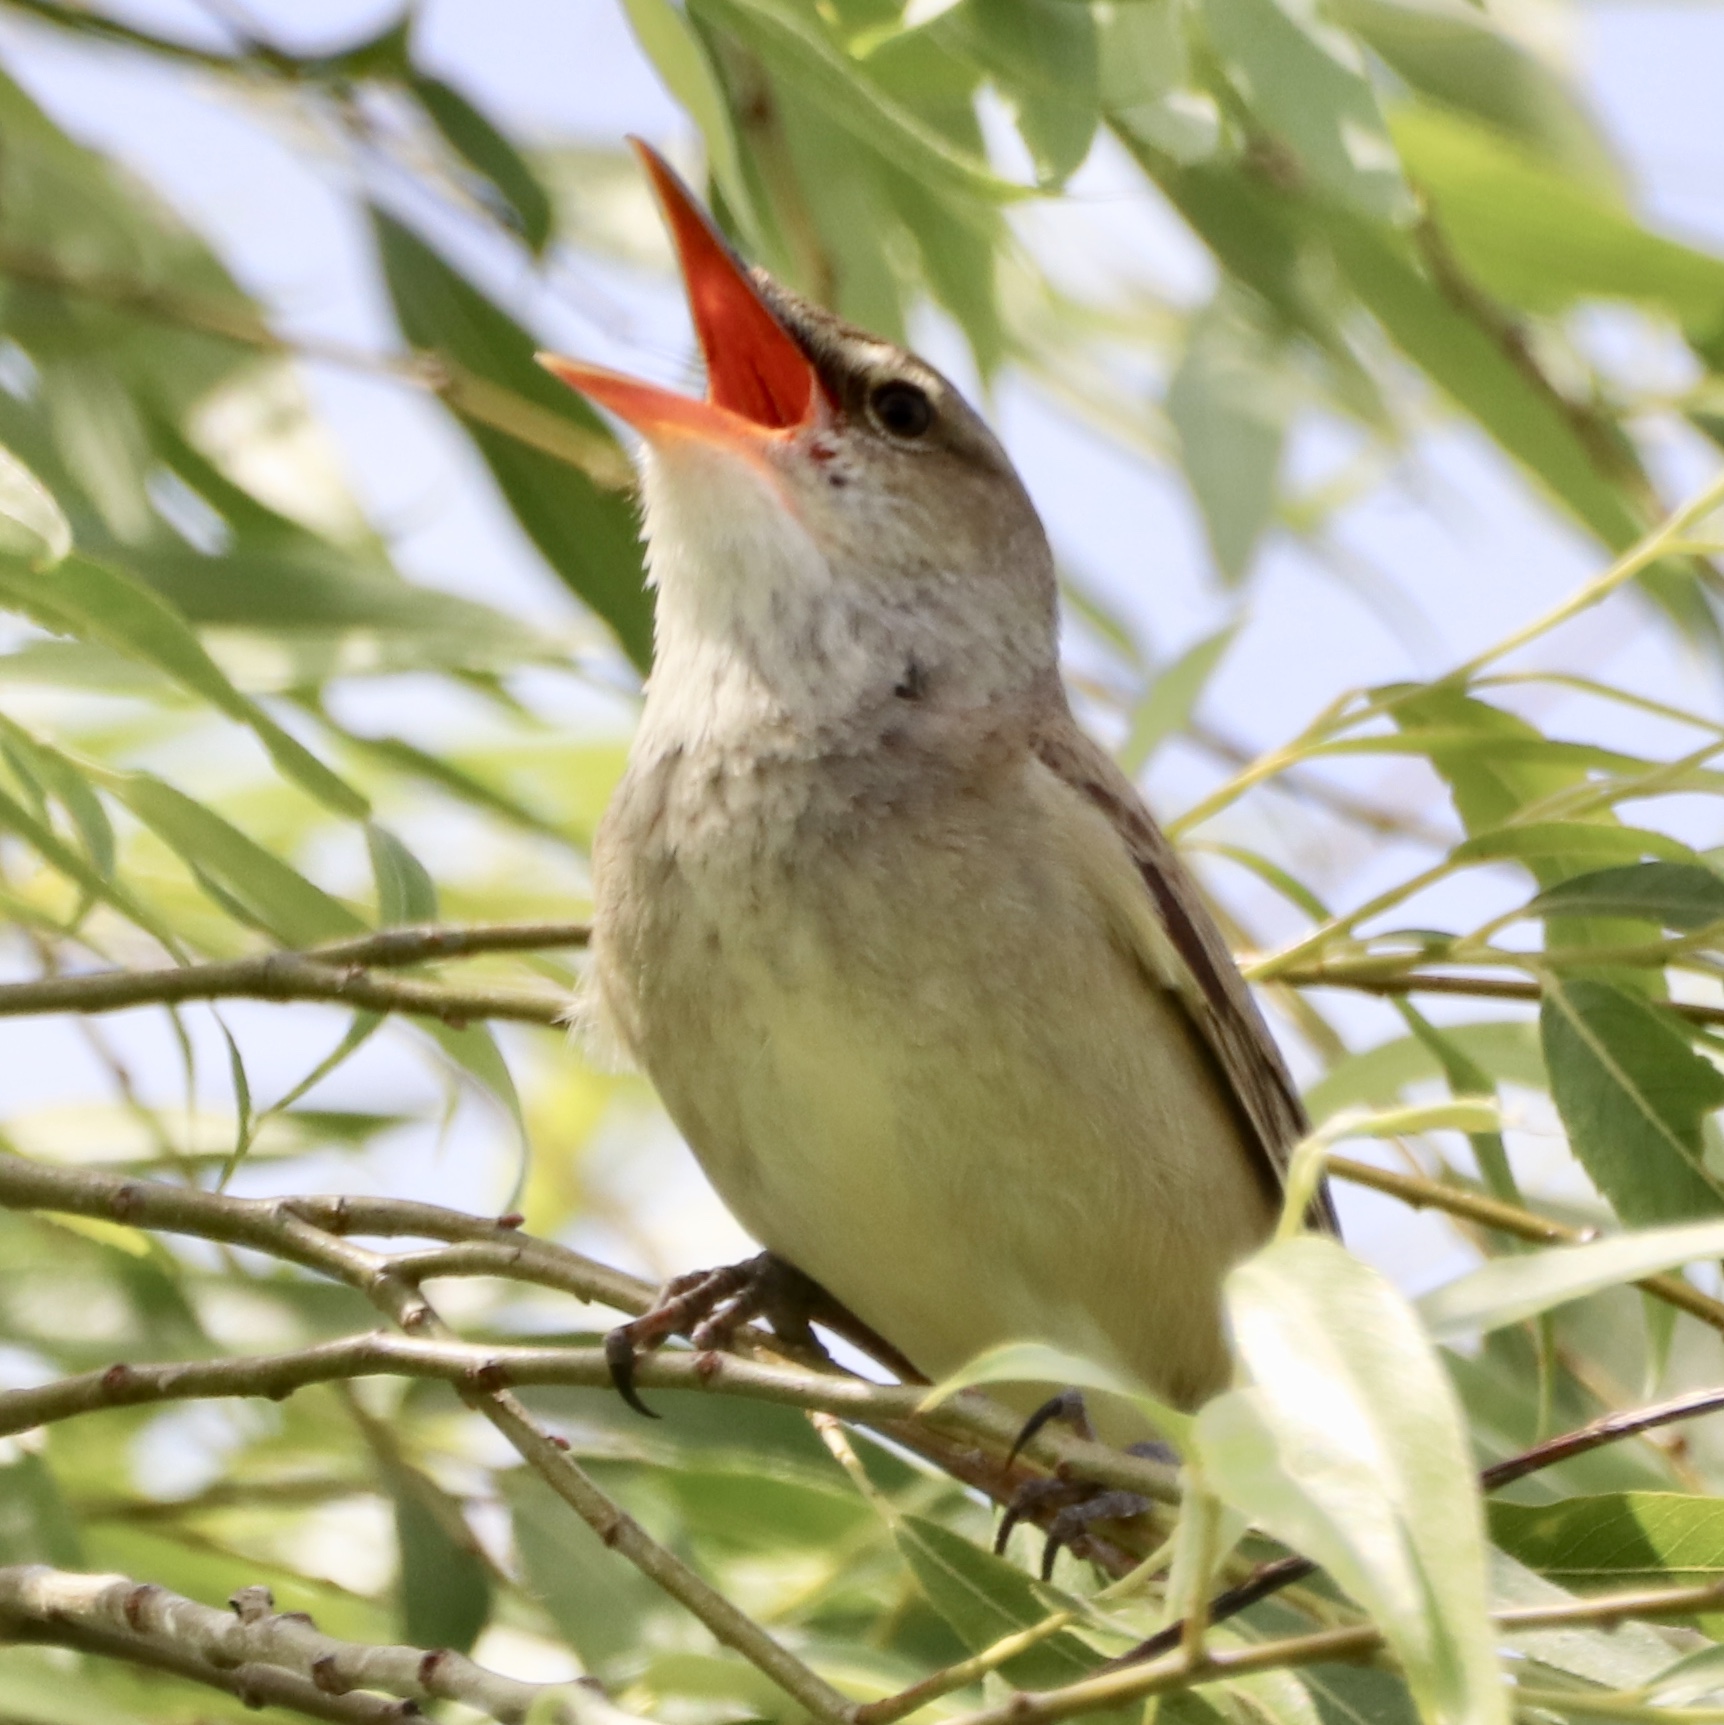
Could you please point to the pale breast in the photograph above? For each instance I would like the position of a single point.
(894, 1015)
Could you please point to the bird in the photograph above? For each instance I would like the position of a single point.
(936, 1005)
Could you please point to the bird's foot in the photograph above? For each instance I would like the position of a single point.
(1067, 1508)
(711, 1306)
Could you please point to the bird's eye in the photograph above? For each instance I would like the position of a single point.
(901, 409)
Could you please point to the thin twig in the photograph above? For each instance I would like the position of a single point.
(335, 971)
(467, 1365)
(1285, 1572)
(281, 1229)
(1508, 1219)
(300, 1230)
(1134, 1683)
(266, 1658)
(1369, 977)
(280, 976)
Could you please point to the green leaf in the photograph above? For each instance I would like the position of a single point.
(1510, 1290)
(1038, 1363)
(36, 1523)
(473, 136)
(1632, 1093)
(444, 1588)
(1349, 1446)
(1041, 55)
(266, 891)
(1622, 1539)
(1624, 1655)
(794, 44)
(1675, 895)
(1306, 82)
(1481, 377)
(1690, 1679)
(98, 603)
(984, 1599)
(600, 1603)
(59, 778)
(16, 818)
(1168, 702)
(1574, 843)
(1462, 57)
(1144, 78)
(32, 524)
(405, 891)
(1230, 402)
(587, 534)
(1534, 237)
(680, 58)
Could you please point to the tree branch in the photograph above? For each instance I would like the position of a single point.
(336, 972)
(1368, 977)
(279, 1228)
(266, 1658)
(308, 1230)
(279, 976)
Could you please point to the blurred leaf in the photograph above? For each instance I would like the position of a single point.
(1306, 82)
(1510, 1290)
(1466, 58)
(1532, 236)
(1624, 1655)
(263, 889)
(32, 524)
(1041, 55)
(57, 777)
(984, 1598)
(1574, 843)
(17, 819)
(1170, 699)
(601, 1604)
(1632, 1093)
(586, 534)
(91, 600)
(680, 59)
(1348, 1445)
(1676, 895)
(405, 890)
(445, 1589)
(1482, 378)
(473, 137)
(1038, 1363)
(1691, 1678)
(36, 1526)
(1143, 77)
(795, 45)
(1230, 401)
(1625, 1539)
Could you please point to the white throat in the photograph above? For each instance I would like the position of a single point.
(757, 643)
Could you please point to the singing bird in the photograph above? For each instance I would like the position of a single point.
(927, 991)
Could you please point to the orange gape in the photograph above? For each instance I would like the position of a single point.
(757, 378)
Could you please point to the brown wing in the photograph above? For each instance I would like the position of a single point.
(1249, 1064)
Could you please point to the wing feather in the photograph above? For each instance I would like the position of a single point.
(1214, 994)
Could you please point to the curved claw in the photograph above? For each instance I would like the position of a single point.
(1074, 1521)
(620, 1357)
(1067, 1406)
(1033, 1496)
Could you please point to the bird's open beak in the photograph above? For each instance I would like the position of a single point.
(758, 381)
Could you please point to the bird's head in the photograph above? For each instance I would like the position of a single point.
(833, 510)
